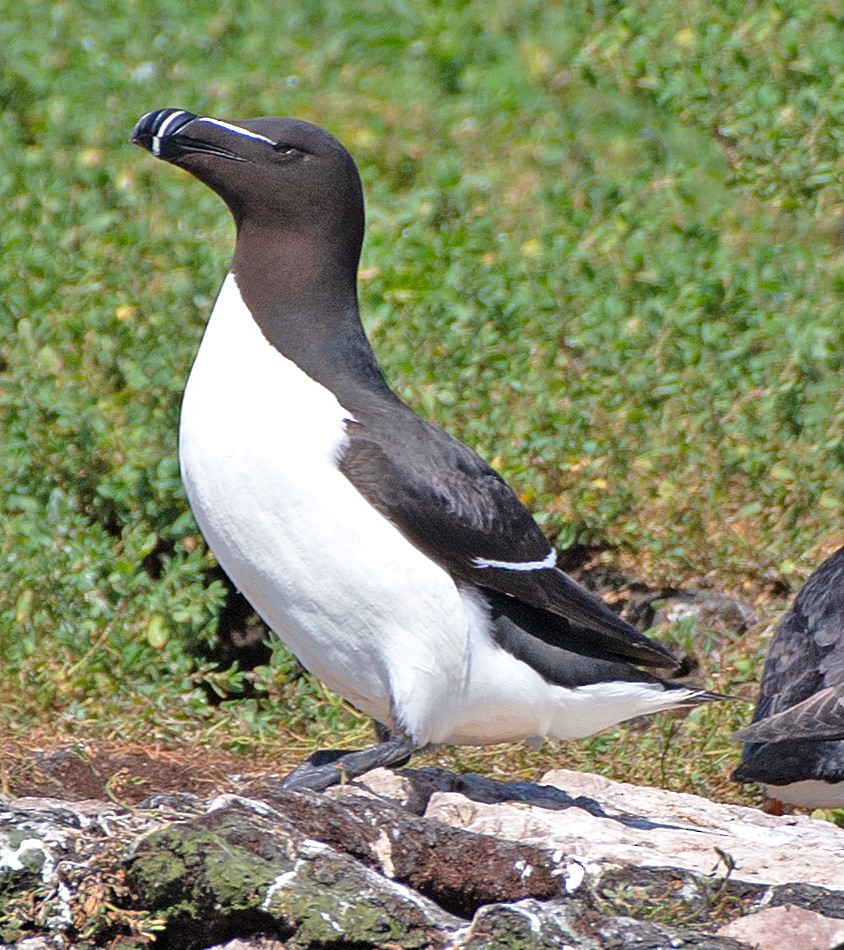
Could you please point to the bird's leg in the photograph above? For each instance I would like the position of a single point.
(324, 769)
(773, 806)
(382, 732)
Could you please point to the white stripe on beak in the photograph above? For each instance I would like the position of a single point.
(162, 131)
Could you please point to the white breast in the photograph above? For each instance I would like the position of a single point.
(809, 793)
(360, 607)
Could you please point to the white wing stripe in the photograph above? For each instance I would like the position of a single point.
(549, 561)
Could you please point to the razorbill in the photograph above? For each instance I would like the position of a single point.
(794, 746)
(398, 567)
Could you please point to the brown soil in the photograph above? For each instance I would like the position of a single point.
(125, 774)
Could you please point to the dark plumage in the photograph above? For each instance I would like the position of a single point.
(795, 743)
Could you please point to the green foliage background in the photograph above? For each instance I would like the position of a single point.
(604, 248)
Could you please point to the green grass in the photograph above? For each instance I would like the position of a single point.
(605, 247)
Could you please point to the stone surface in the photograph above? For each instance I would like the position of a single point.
(419, 858)
(251, 943)
(387, 785)
(625, 933)
(796, 928)
(59, 864)
(459, 870)
(600, 822)
(712, 608)
(249, 862)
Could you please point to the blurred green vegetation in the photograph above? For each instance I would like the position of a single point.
(605, 247)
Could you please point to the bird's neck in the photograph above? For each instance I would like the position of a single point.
(303, 296)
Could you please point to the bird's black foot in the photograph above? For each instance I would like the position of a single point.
(324, 769)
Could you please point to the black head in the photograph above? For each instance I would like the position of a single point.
(271, 172)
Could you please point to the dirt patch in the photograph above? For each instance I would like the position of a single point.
(125, 774)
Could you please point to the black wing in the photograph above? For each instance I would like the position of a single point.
(819, 717)
(802, 691)
(461, 513)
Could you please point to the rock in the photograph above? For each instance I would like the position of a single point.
(715, 610)
(59, 863)
(252, 943)
(787, 926)
(388, 785)
(247, 864)
(602, 823)
(460, 870)
(646, 606)
(625, 933)
(418, 858)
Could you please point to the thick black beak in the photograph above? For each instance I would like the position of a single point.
(154, 130)
(167, 135)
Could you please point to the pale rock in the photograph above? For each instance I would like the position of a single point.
(385, 784)
(605, 825)
(787, 928)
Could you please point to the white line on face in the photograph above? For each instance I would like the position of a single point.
(236, 129)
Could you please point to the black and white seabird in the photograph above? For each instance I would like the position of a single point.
(794, 746)
(399, 568)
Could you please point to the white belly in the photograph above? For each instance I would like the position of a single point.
(358, 605)
(809, 793)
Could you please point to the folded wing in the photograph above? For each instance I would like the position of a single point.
(462, 514)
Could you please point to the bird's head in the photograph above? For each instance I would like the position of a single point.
(271, 172)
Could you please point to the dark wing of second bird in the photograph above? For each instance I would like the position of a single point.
(801, 696)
